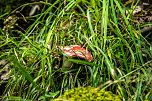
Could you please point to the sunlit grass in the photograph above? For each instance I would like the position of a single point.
(121, 55)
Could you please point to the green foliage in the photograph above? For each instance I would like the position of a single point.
(88, 94)
(122, 57)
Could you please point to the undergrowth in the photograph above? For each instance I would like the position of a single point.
(122, 57)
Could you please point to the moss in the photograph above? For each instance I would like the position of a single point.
(88, 94)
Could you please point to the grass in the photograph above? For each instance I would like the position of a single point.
(122, 57)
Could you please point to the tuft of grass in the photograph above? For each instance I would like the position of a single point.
(122, 56)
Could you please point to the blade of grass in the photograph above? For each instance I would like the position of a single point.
(23, 71)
